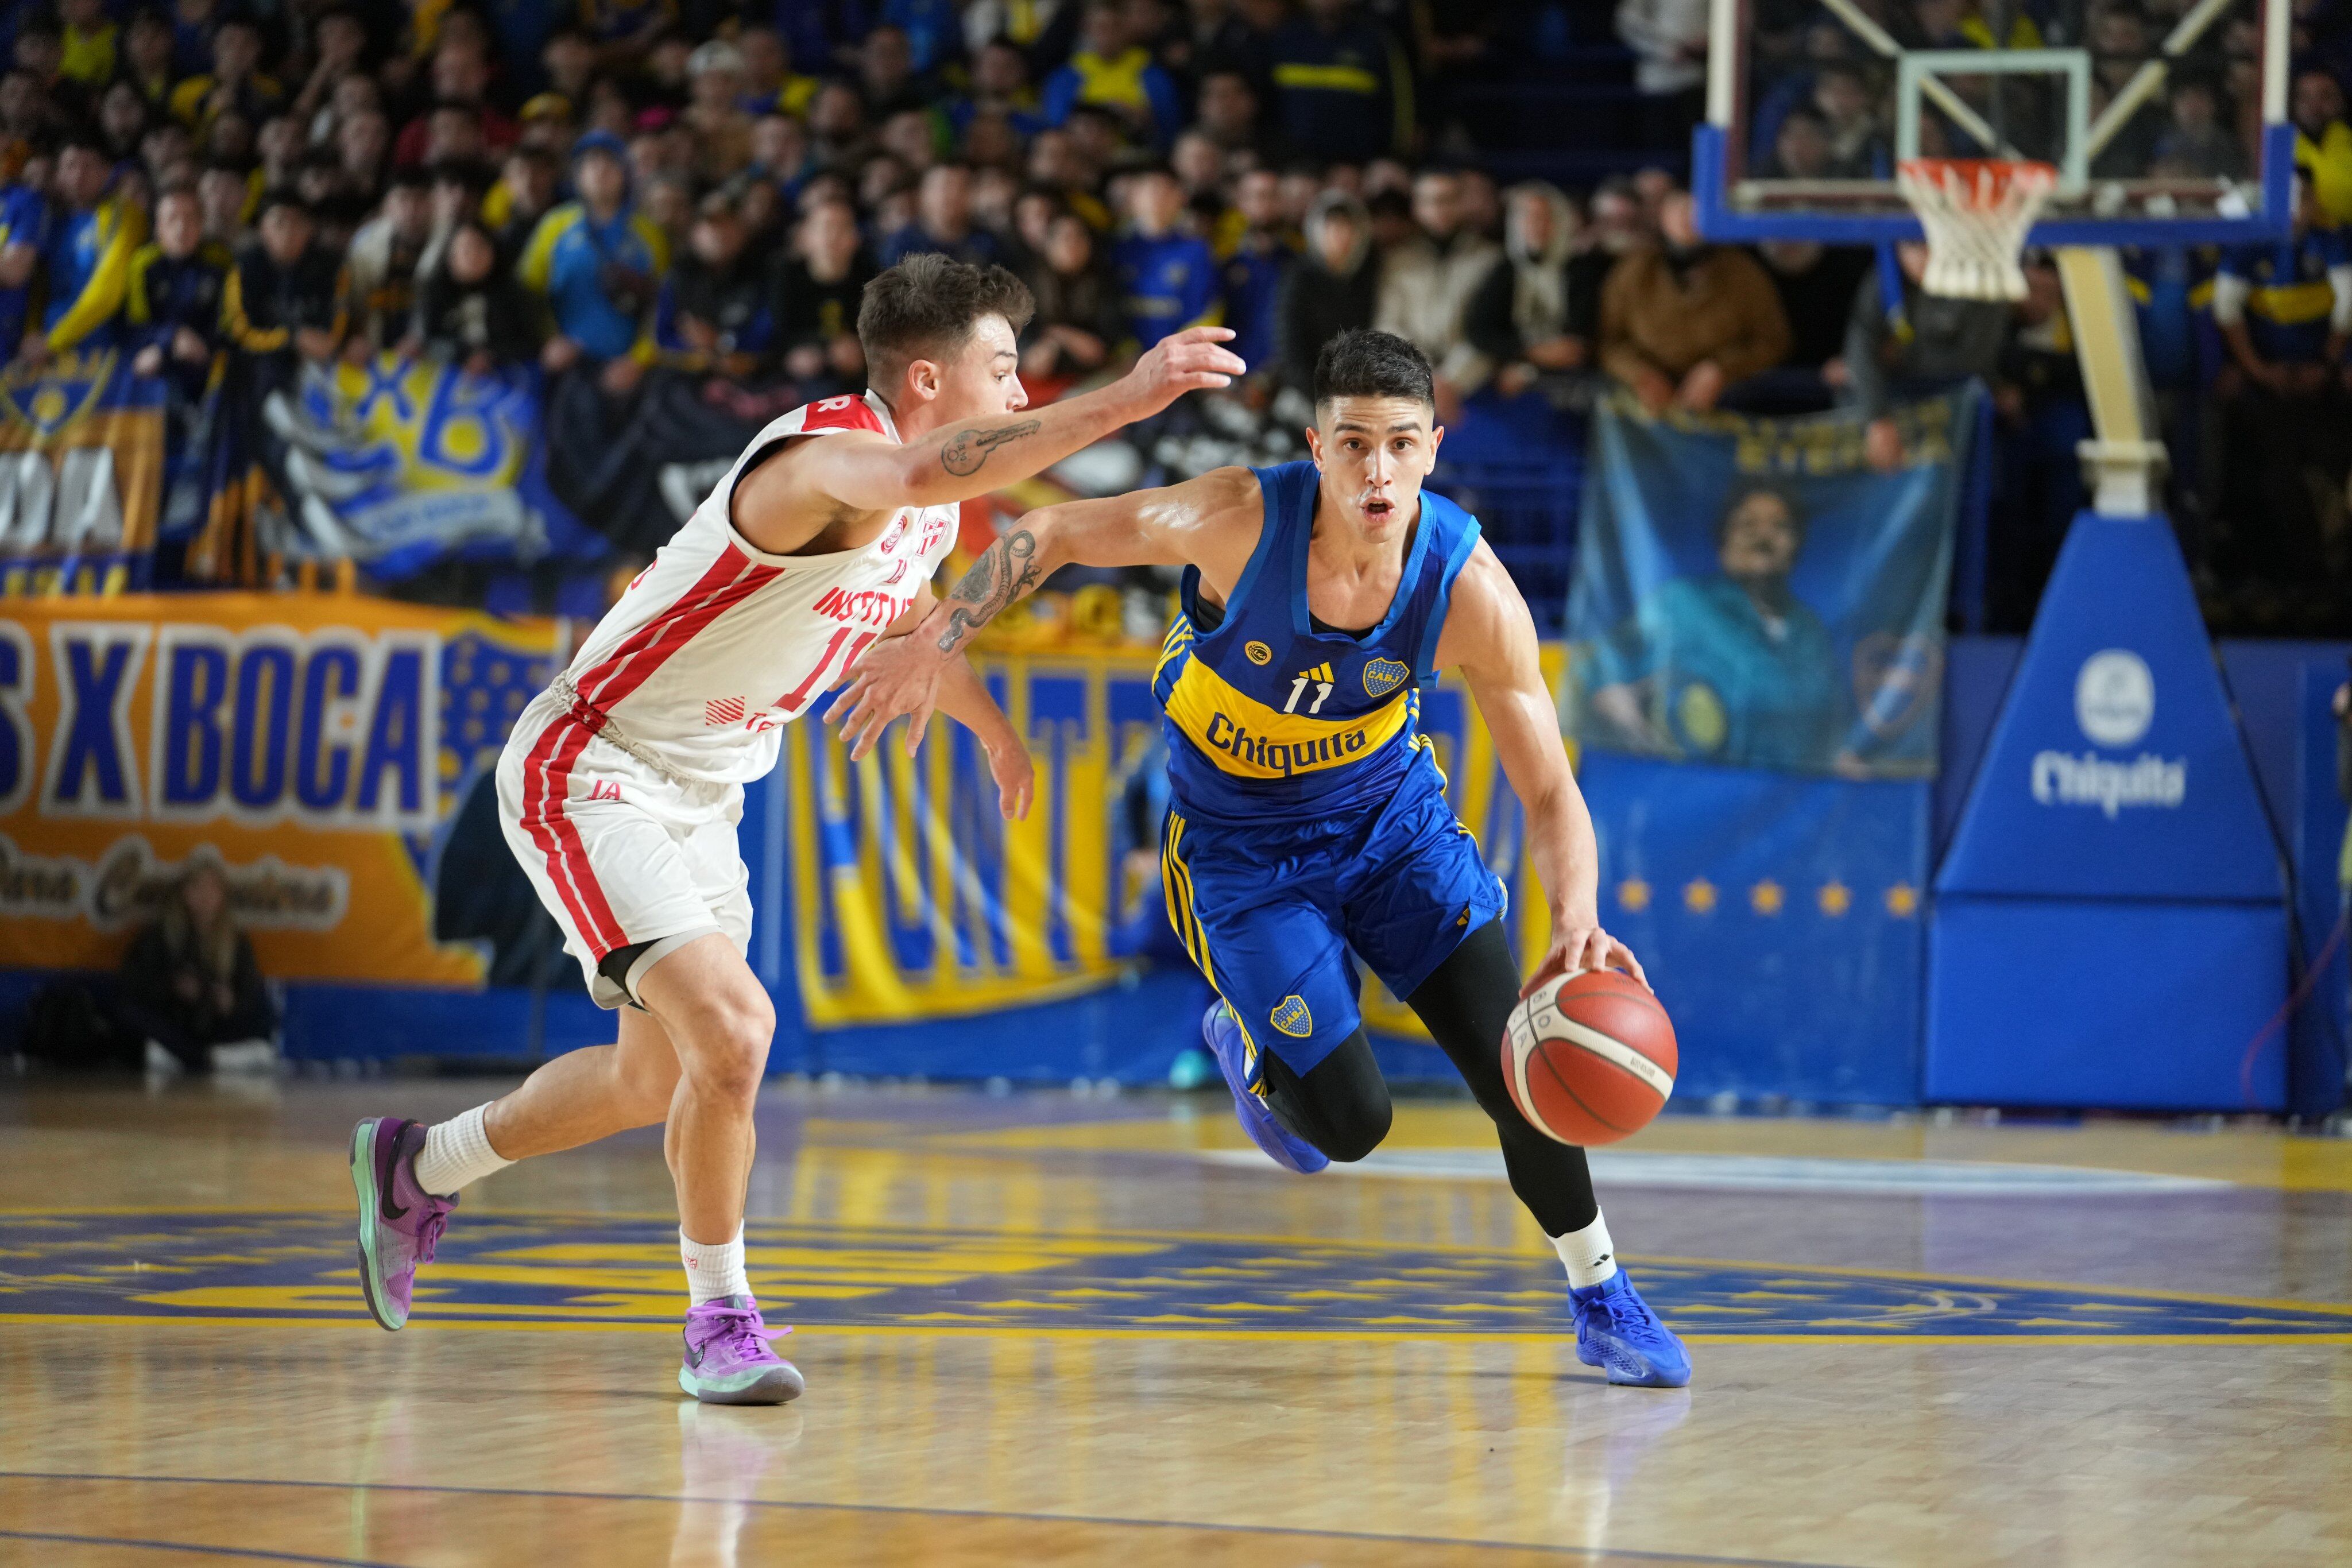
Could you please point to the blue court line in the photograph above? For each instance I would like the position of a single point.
(185, 1546)
(1602, 1554)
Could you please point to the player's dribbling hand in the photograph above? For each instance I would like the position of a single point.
(896, 677)
(1575, 948)
(1016, 779)
(1184, 361)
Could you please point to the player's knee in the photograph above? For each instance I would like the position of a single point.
(729, 1051)
(1356, 1126)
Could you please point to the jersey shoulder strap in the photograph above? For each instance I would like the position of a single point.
(828, 417)
(1288, 491)
(1454, 536)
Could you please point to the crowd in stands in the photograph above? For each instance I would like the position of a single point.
(670, 207)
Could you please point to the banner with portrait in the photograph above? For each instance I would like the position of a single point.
(330, 753)
(1754, 593)
(82, 476)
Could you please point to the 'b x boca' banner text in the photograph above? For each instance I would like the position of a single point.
(312, 746)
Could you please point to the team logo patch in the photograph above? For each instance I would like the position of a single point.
(1293, 1018)
(1258, 652)
(1383, 676)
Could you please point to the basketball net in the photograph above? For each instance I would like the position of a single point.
(1977, 212)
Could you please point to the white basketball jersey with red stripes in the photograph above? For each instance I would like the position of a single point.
(718, 645)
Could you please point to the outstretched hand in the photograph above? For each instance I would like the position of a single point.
(1578, 947)
(1184, 361)
(898, 677)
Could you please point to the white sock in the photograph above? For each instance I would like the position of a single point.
(1589, 1255)
(713, 1268)
(457, 1151)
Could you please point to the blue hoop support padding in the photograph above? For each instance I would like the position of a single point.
(1719, 221)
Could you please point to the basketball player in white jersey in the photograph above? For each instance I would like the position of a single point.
(621, 786)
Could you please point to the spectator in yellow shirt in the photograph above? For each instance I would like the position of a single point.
(90, 38)
(2323, 142)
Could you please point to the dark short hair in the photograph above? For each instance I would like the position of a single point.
(466, 171)
(1741, 494)
(926, 305)
(1363, 361)
(283, 196)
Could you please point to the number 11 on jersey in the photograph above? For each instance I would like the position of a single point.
(1298, 689)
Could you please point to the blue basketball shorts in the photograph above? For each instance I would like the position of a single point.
(1270, 911)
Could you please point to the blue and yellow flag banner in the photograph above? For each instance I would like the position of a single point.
(912, 898)
(396, 463)
(317, 748)
(82, 476)
(1753, 594)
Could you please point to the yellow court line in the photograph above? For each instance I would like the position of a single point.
(1327, 1336)
(1673, 1137)
(1825, 1270)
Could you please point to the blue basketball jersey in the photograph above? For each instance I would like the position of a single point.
(1270, 719)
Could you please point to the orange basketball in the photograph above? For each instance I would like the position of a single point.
(1590, 1057)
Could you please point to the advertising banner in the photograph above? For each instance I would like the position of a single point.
(2116, 770)
(914, 899)
(314, 745)
(333, 755)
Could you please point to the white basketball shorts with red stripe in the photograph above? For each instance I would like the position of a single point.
(621, 853)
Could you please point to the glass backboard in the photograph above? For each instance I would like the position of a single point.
(2167, 122)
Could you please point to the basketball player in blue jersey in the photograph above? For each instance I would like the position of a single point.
(1307, 812)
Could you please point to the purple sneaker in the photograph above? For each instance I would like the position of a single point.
(399, 1221)
(727, 1361)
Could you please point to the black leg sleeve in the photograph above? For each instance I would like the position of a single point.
(1341, 1105)
(1466, 1004)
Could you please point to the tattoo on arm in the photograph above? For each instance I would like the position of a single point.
(966, 450)
(1005, 571)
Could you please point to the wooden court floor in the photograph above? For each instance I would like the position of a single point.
(1053, 1329)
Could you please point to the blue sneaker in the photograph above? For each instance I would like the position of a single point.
(1223, 1034)
(1616, 1331)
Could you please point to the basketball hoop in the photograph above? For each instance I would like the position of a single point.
(1977, 212)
